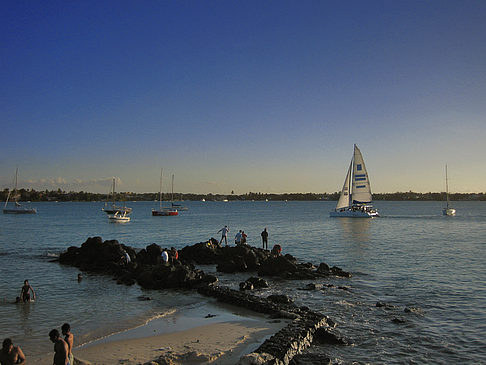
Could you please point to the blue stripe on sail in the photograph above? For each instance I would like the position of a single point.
(358, 202)
(361, 186)
(359, 167)
(360, 179)
(360, 175)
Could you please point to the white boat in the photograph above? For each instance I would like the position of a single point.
(449, 211)
(17, 208)
(119, 217)
(164, 211)
(115, 208)
(355, 199)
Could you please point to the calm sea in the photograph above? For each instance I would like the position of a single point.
(412, 257)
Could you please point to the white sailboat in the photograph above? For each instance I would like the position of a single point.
(113, 209)
(17, 208)
(355, 199)
(448, 210)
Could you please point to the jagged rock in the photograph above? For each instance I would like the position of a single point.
(310, 359)
(280, 299)
(258, 283)
(246, 285)
(257, 359)
(328, 336)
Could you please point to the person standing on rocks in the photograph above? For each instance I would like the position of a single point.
(224, 235)
(238, 238)
(264, 235)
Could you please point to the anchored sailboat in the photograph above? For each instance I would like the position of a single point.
(164, 211)
(355, 199)
(14, 195)
(448, 210)
(114, 208)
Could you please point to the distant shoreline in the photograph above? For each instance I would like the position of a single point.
(59, 195)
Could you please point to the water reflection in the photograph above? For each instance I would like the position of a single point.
(355, 229)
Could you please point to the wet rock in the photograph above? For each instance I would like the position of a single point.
(257, 359)
(258, 283)
(246, 286)
(329, 336)
(310, 359)
(384, 305)
(398, 320)
(280, 299)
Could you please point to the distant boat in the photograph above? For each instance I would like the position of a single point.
(119, 217)
(115, 208)
(17, 208)
(164, 211)
(355, 199)
(449, 211)
(179, 207)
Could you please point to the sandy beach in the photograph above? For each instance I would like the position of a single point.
(211, 334)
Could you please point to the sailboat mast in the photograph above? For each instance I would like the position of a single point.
(113, 191)
(172, 194)
(351, 180)
(160, 190)
(447, 189)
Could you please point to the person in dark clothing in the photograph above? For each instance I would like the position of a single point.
(264, 235)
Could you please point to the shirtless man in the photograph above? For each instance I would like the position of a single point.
(25, 292)
(10, 354)
(61, 349)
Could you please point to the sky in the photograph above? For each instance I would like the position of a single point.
(243, 96)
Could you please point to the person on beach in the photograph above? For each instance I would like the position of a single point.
(238, 238)
(264, 235)
(25, 292)
(61, 349)
(69, 338)
(165, 256)
(224, 235)
(10, 354)
(126, 257)
(244, 236)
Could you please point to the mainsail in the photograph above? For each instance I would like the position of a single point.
(361, 190)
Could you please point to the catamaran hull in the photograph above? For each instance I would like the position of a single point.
(348, 213)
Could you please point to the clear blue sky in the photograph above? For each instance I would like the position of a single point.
(262, 96)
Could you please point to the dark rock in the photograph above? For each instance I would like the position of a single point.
(310, 359)
(398, 320)
(280, 299)
(329, 336)
(258, 283)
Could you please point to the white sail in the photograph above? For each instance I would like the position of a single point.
(343, 201)
(361, 190)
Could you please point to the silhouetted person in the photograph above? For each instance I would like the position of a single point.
(264, 235)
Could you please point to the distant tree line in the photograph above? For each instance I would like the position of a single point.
(60, 195)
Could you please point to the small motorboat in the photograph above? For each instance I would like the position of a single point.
(119, 217)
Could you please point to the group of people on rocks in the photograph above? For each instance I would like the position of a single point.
(241, 238)
(171, 255)
(63, 355)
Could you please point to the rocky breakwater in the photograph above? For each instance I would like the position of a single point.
(144, 267)
(244, 258)
(305, 326)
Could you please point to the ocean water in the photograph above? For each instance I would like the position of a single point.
(412, 257)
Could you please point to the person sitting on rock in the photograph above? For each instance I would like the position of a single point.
(174, 255)
(165, 256)
(10, 354)
(244, 236)
(276, 250)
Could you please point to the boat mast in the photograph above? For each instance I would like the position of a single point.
(447, 190)
(172, 194)
(113, 191)
(160, 191)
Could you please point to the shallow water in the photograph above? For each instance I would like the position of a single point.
(412, 257)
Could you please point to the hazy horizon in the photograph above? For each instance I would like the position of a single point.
(242, 96)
